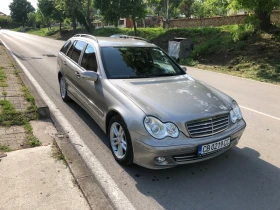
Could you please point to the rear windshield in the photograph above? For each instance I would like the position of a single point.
(138, 62)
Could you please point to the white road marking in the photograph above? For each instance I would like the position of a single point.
(237, 77)
(116, 196)
(267, 115)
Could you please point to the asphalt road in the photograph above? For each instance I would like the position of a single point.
(246, 177)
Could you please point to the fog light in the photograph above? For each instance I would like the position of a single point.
(160, 159)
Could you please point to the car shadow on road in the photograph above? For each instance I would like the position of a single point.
(238, 179)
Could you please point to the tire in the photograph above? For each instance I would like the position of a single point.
(121, 146)
(63, 87)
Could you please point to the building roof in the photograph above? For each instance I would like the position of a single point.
(3, 14)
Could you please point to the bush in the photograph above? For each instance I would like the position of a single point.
(7, 22)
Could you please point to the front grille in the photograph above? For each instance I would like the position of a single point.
(208, 127)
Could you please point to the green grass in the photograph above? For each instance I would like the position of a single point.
(3, 78)
(32, 141)
(4, 148)
(4, 93)
(57, 154)
(10, 116)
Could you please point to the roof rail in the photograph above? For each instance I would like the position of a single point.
(133, 37)
(86, 36)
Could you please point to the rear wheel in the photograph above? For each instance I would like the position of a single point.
(120, 141)
(64, 89)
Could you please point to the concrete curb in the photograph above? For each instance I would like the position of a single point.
(81, 173)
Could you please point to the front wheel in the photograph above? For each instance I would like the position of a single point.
(120, 141)
(64, 89)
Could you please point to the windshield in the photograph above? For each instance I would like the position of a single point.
(137, 62)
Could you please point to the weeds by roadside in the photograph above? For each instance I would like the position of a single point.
(9, 116)
(4, 148)
(2, 78)
(32, 141)
(57, 154)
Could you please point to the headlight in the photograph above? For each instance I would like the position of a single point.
(159, 129)
(235, 113)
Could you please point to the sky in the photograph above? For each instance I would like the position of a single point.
(4, 5)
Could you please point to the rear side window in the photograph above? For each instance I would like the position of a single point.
(65, 47)
(71, 50)
(79, 46)
(89, 61)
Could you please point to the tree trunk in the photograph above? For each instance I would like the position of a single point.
(88, 17)
(23, 21)
(134, 26)
(74, 24)
(60, 26)
(264, 18)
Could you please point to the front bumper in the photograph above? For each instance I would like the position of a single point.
(184, 152)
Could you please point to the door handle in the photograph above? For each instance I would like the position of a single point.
(77, 74)
(64, 63)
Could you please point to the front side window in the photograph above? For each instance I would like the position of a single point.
(138, 62)
(65, 47)
(89, 61)
(78, 47)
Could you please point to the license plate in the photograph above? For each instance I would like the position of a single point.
(208, 148)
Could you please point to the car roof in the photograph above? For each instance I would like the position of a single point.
(115, 42)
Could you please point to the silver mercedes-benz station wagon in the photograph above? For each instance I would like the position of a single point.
(154, 113)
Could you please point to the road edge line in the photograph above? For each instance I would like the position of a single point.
(110, 188)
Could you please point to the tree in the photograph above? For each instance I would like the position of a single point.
(76, 10)
(20, 9)
(186, 7)
(31, 19)
(110, 10)
(46, 7)
(199, 9)
(134, 9)
(155, 7)
(217, 7)
(261, 8)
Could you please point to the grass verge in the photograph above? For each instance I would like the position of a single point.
(4, 148)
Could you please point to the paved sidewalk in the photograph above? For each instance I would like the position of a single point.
(33, 173)
(32, 179)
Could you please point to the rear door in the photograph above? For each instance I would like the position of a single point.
(62, 57)
(73, 70)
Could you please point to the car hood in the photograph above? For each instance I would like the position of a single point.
(174, 98)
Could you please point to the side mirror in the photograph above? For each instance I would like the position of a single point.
(90, 75)
(184, 68)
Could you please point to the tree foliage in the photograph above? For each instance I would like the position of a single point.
(261, 8)
(112, 11)
(47, 8)
(19, 10)
(186, 7)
